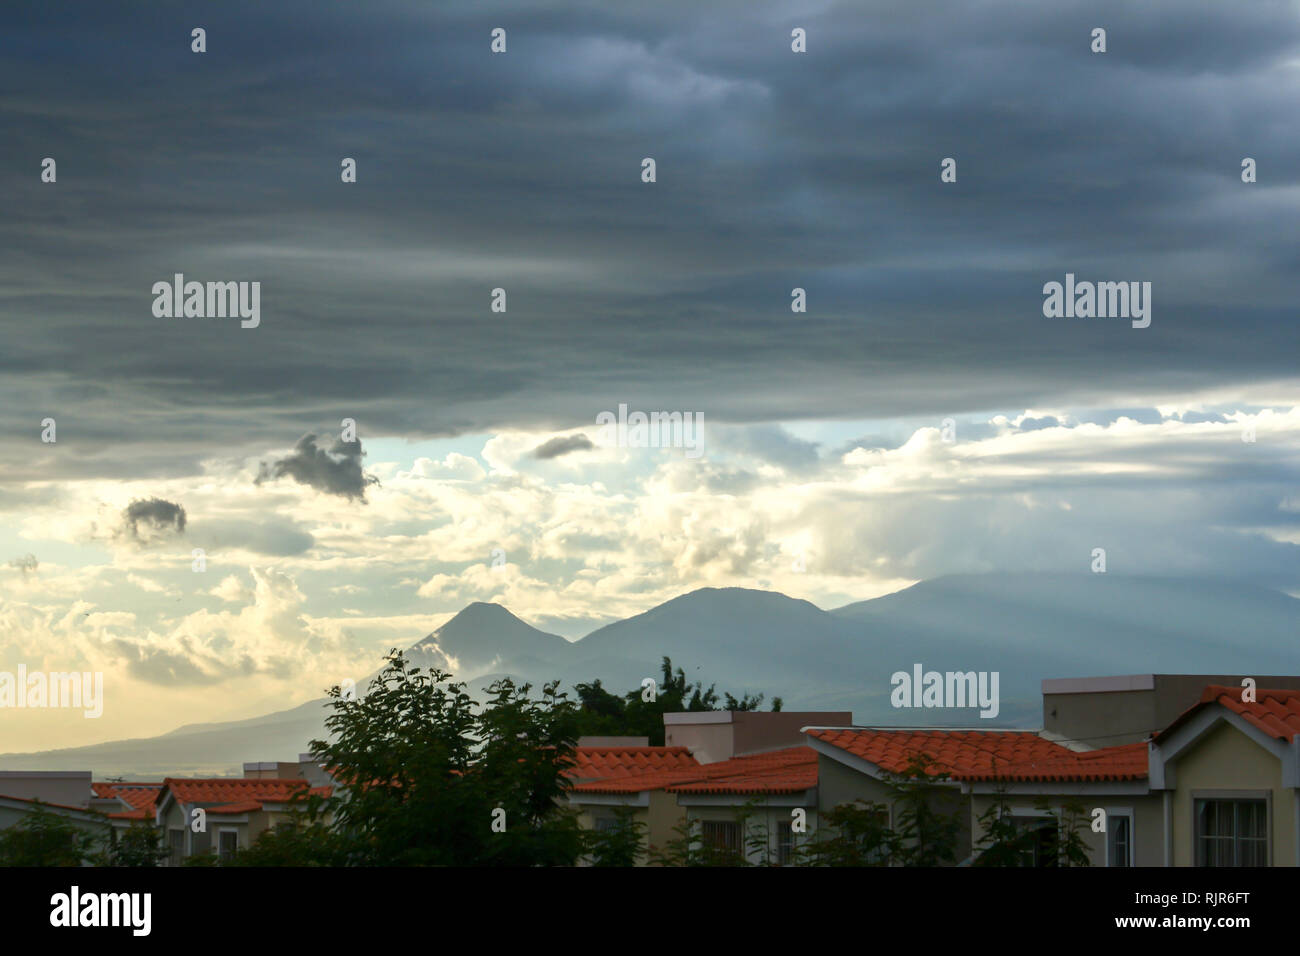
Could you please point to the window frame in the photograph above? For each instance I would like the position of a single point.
(222, 831)
(1128, 814)
(1235, 797)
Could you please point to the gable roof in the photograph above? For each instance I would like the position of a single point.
(140, 798)
(236, 794)
(1275, 713)
(605, 763)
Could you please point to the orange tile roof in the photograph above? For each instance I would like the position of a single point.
(790, 770)
(1125, 762)
(1275, 712)
(238, 791)
(141, 797)
(604, 763)
(246, 806)
(968, 755)
(955, 751)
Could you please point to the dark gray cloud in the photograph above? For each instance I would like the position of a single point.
(562, 445)
(335, 471)
(148, 518)
(775, 170)
(25, 564)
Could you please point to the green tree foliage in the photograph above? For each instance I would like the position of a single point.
(606, 714)
(45, 838)
(1004, 842)
(140, 844)
(1068, 848)
(427, 771)
(928, 813)
(853, 834)
(619, 845)
(299, 842)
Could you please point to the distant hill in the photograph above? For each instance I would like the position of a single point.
(1027, 627)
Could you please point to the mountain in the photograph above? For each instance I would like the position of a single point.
(1027, 627)
(483, 637)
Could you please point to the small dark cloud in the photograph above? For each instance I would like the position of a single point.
(152, 516)
(26, 564)
(562, 445)
(336, 471)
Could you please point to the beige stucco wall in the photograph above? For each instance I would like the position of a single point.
(708, 743)
(1228, 760)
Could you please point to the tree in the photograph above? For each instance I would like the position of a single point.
(927, 834)
(1067, 847)
(431, 777)
(43, 838)
(298, 842)
(1004, 842)
(853, 834)
(619, 845)
(140, 844)
(605, 714)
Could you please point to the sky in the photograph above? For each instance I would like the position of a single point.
(922, 417)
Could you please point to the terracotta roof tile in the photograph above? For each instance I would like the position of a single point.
(1275, 712)
(968, 755)
(790, 770)
(224, 794)
(604, 763)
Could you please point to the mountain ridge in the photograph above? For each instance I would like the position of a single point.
(1028, 627)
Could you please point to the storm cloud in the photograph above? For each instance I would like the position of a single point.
(776, 170)
(562, 445)
(336, 471)
(145, 519)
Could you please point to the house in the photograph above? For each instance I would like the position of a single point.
(608, 777)
(1228, 774)
(709, 798)
(761, 806)
(1218, 785)
(720, 760)
(225, 814)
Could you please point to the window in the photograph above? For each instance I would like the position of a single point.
(227, 844)
(604, 824)
(784, 844)
(176, 846)
(1040, 847)
(721, 836)
(1119, 839)
(1232, 833)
